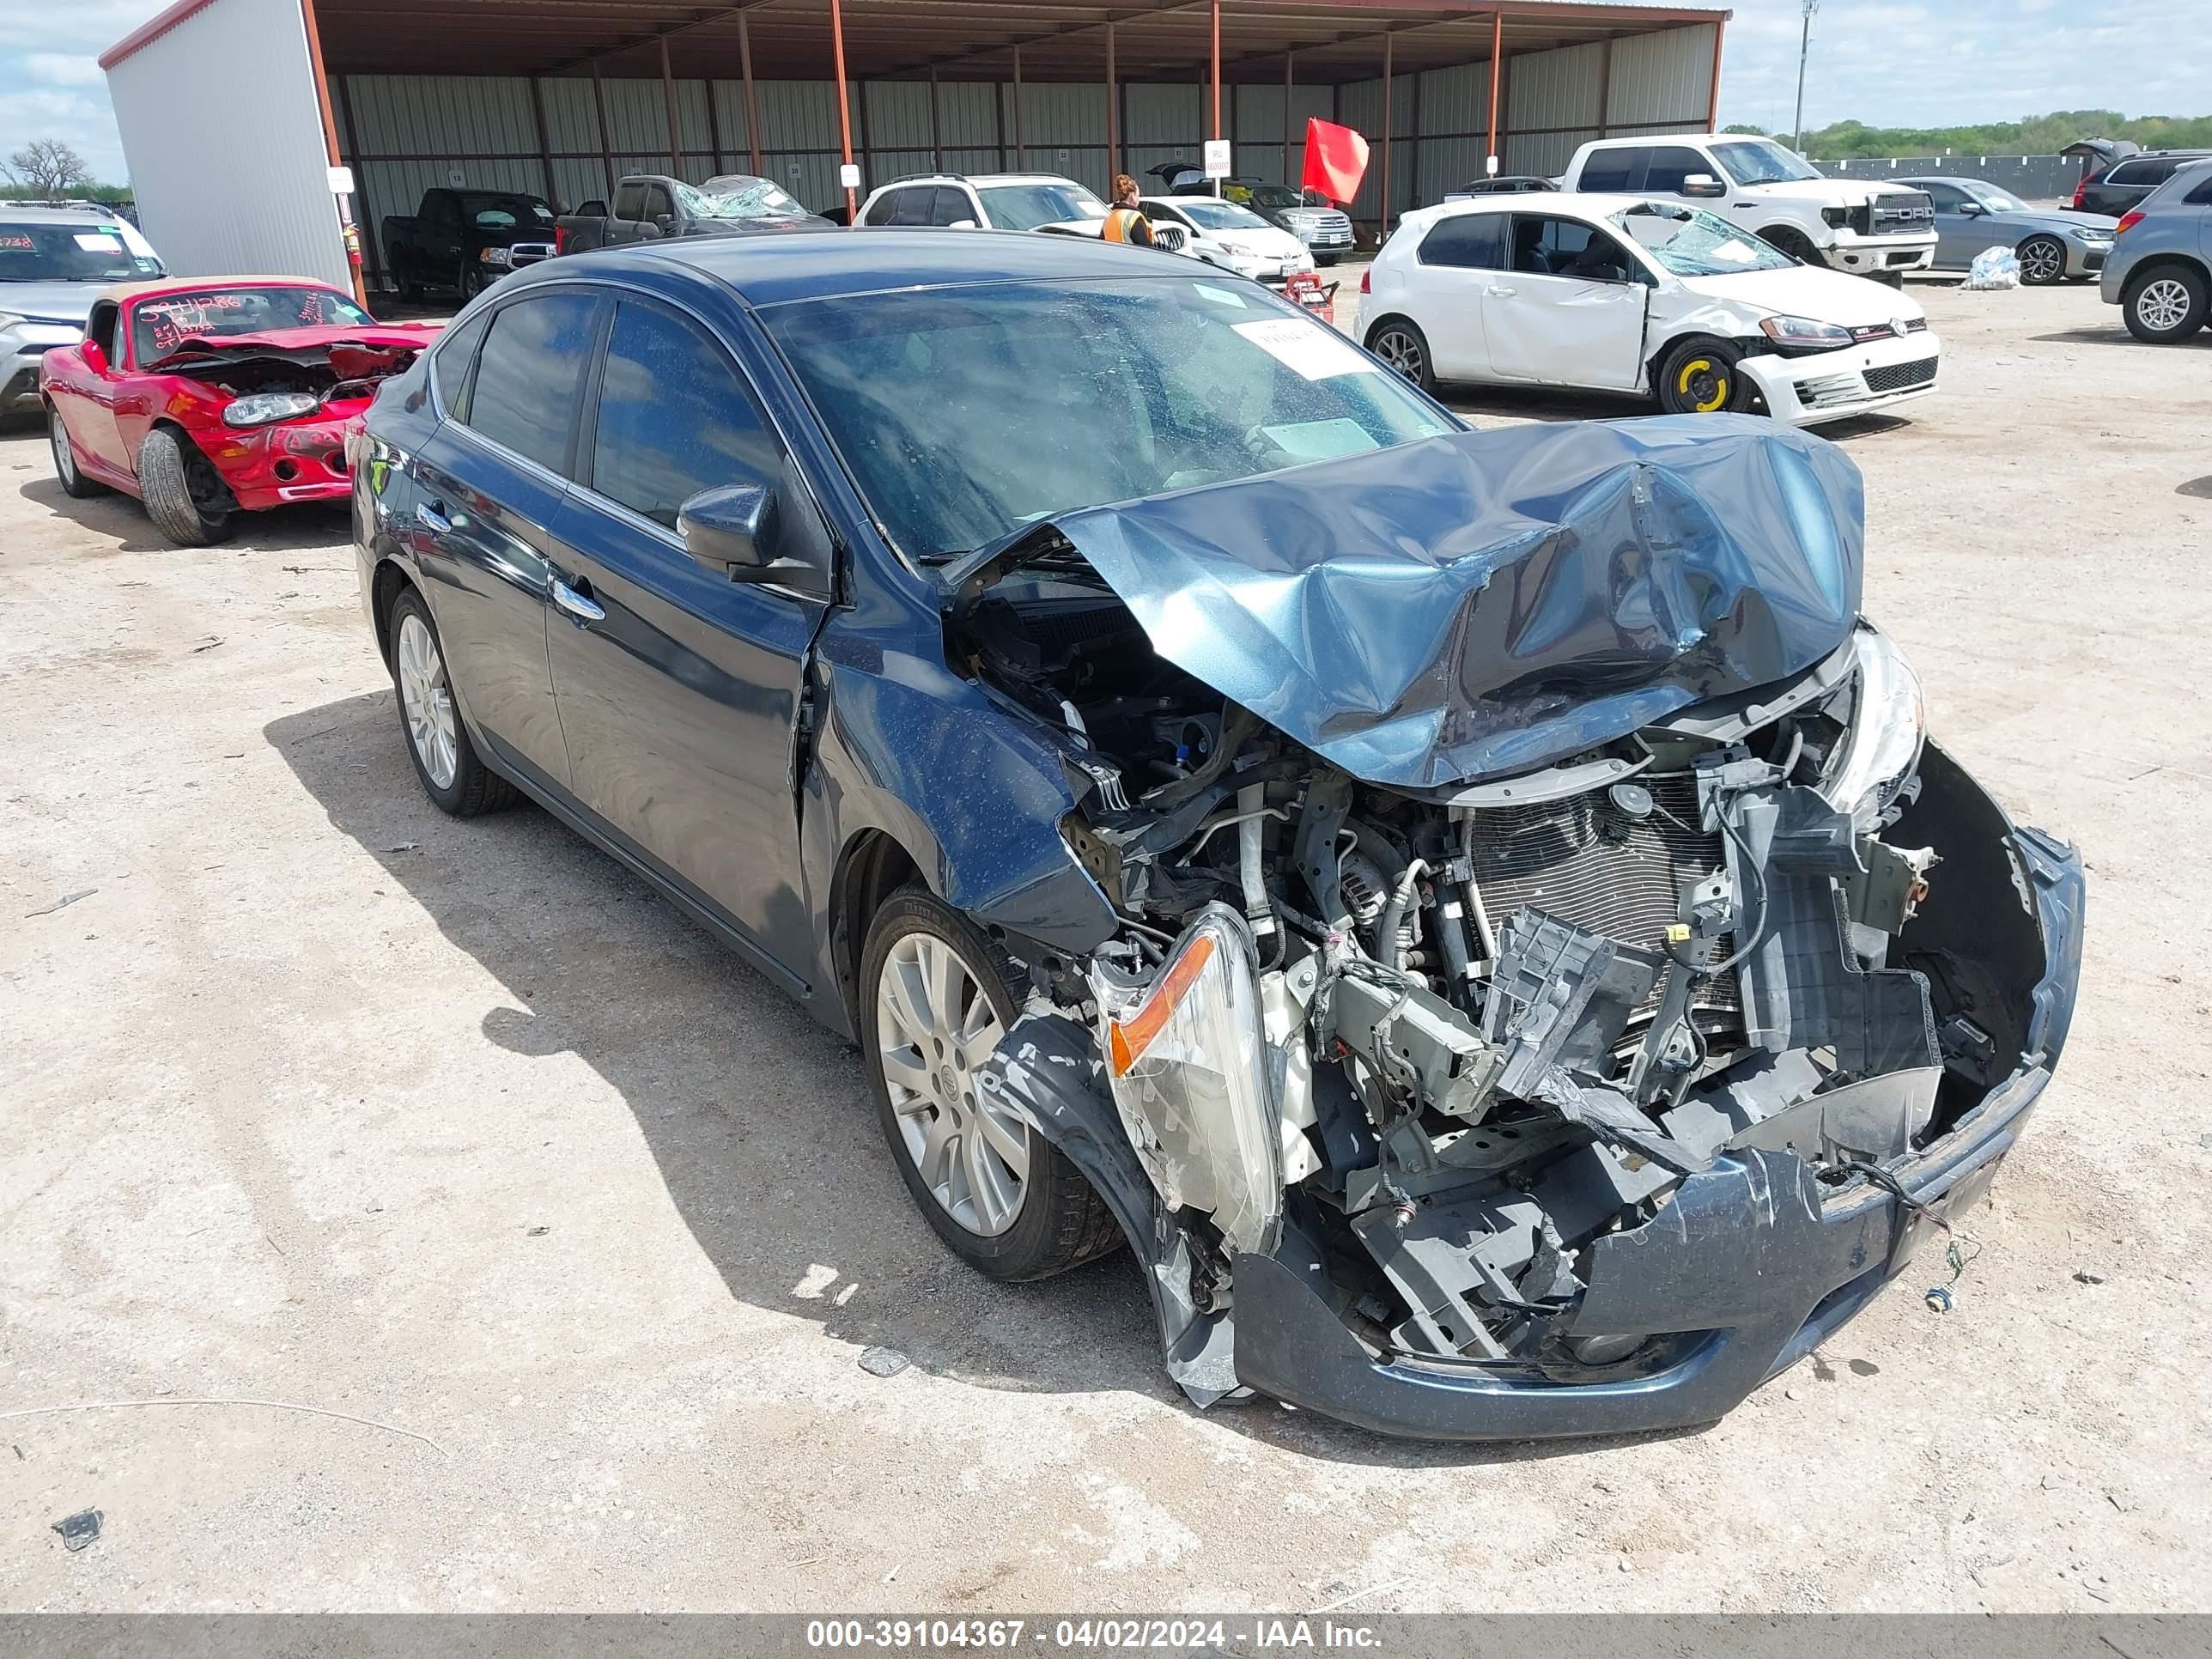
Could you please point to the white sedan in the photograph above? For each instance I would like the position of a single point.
(1621, 293)
(1232, 236)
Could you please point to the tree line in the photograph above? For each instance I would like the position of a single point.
(2036, 134)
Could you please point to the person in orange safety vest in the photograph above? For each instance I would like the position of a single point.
(1125, 220)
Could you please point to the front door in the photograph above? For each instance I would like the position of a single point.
(86, 401)
(678, 687)
(1570, 310)
(489, 485)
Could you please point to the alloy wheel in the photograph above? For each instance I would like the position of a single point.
(934, 1028)
(2041, 261)
(427, 698)
(64, 455)
(1402, 352)
(2163, 304)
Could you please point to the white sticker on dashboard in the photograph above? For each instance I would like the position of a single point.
(1220, 297)
(100, 244)
(1315, 352)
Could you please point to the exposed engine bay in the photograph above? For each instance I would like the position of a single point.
(1432, 1044)
(332, 373)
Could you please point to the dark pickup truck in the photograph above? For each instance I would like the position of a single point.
(649, 207)
(465, 239)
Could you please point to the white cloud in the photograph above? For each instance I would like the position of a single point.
(65, 69)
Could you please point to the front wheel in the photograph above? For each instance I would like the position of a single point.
(2042, 261)
(1794, 243)
(472, 282)
(1404, 349)
(186, 497)
(74, 484)
(936, 996)
(1700, 377)
(2165, 304)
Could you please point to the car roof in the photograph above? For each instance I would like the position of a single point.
(1669, 138)
(1591, 203)
(983, 179)
(767, 271)
(81, 210)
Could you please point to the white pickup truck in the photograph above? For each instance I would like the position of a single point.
(1869, 229)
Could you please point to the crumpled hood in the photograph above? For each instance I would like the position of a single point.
(374, 337)
(1482, 604)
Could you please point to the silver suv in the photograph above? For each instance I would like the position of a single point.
(54, 261)
(2159, 273)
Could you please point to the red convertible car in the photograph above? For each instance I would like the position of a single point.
(210, 396)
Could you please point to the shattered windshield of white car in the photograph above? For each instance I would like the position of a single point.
(1687, 242)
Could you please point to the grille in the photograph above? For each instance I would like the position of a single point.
(1903, 210)
(1896, 377)
(1583, 862)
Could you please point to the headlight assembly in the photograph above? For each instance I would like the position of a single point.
(1804, 334)
(1888, 720)
(499, 257)
(262, 407)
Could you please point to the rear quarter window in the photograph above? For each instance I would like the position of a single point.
(530, 374)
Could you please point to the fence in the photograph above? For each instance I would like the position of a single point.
(2037, 178)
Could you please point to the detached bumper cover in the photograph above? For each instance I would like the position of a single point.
(1752, 1265)
(1833, 386)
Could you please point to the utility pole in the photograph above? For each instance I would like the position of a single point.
(1804, 45)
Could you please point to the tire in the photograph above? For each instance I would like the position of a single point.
(1787, 239)
(1008, 1223)
(1406, 350)
(1889, 279)
(2042, 262)
(186, 497)
(411, 286)
(472, 282)
(74, 484)
(2165, 304)
(1323, 261)
(1699, 377)
(451, 771)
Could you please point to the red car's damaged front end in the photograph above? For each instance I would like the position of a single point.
(272, 411)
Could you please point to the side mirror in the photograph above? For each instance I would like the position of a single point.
(962, 224)
(1702, 184)
(1972, 210)
(665, 224)
(95, 356)
(735, 530)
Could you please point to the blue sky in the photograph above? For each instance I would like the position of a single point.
(1899, 62)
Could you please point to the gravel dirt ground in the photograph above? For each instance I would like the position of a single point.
(316, 1097)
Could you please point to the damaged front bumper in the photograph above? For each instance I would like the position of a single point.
(293, 461)
(1748, 1265)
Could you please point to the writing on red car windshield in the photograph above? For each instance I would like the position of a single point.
(160, 325)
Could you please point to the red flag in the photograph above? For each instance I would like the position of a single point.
(1336, 160)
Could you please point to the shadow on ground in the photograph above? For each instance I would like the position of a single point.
(2118, 335)
(122, 522)
(760, 1121)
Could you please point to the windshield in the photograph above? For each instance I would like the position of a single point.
(1761, 161)
(1997, 199)
(488, 211)
(967, 413)
(159, 324)
(44, 252)
(1221, 216)
(1691, 243)
(1025, 207)
(737, 196)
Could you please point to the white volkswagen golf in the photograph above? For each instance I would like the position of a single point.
(1621, 293)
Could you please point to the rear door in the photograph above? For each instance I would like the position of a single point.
(1570, 310)
(1955, 229)
(489, 484)
(1460, 256)
(679, 688)
(629, 211)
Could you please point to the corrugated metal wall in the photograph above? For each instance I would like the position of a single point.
(271, 145)
(425, 131)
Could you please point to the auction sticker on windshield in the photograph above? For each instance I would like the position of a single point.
(106, 243)
(1315, 352)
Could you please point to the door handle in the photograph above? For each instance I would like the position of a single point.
(578, 604)
(431, 515)
(1501, 293)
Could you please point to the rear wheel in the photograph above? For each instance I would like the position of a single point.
(453, 774)
(936, 998)
(2165, 304)
(74, 484)
(186, 497)
(1700, 377)
(1405, 349)
(2042, 261)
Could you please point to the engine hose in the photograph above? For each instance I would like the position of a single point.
(1252, 807)
(1385, 929)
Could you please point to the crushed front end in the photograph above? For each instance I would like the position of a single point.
(1577, 1099)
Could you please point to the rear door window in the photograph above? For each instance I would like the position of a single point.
(451, 361)
(1615, 169)
(629, 201)
(530, 374)
(884, 205)
(675, 417)
(1467, 241)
